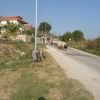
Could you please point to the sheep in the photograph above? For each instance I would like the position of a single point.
(59, 43)
(62, 45)
(54, 42)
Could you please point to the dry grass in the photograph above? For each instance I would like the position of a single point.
(45, 80)
(6, 49)
(7, 82)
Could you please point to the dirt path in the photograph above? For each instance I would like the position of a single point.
(76, 71)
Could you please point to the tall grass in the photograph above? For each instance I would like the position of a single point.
(90, 46)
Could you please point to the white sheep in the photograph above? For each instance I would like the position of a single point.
(54, 42)
(62, 45)
(59, 43)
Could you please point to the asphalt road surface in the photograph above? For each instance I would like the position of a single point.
(79, 65)
(88, 60)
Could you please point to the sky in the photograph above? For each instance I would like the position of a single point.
(64, 15)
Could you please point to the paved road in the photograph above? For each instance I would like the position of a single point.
(79, 65)
(89, 61)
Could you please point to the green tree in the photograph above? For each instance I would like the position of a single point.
(45, 26)
(67, 36)
(11, 29)
(29, 31)
(78, 35)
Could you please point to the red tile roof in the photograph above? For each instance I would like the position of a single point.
(28, 26)
(13, 18)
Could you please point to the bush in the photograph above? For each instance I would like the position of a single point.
(98, 43)
(93, 44)
(32, 39)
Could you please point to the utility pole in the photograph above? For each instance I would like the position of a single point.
(36, 28)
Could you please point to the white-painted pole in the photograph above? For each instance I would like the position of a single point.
(36, 28)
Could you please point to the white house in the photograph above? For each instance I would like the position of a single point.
(15, 19)
(19, 21)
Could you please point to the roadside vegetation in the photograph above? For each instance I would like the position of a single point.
(90, 46)
(22, 79)
(76, 40)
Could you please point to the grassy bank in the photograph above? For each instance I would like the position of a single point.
(82, 46)
(22, 79)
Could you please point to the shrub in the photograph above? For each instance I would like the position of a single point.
(98, 43)
(32, 39)
(93, 44)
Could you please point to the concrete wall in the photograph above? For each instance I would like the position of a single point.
(25, 38)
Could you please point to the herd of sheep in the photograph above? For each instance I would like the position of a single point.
(60, 44)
